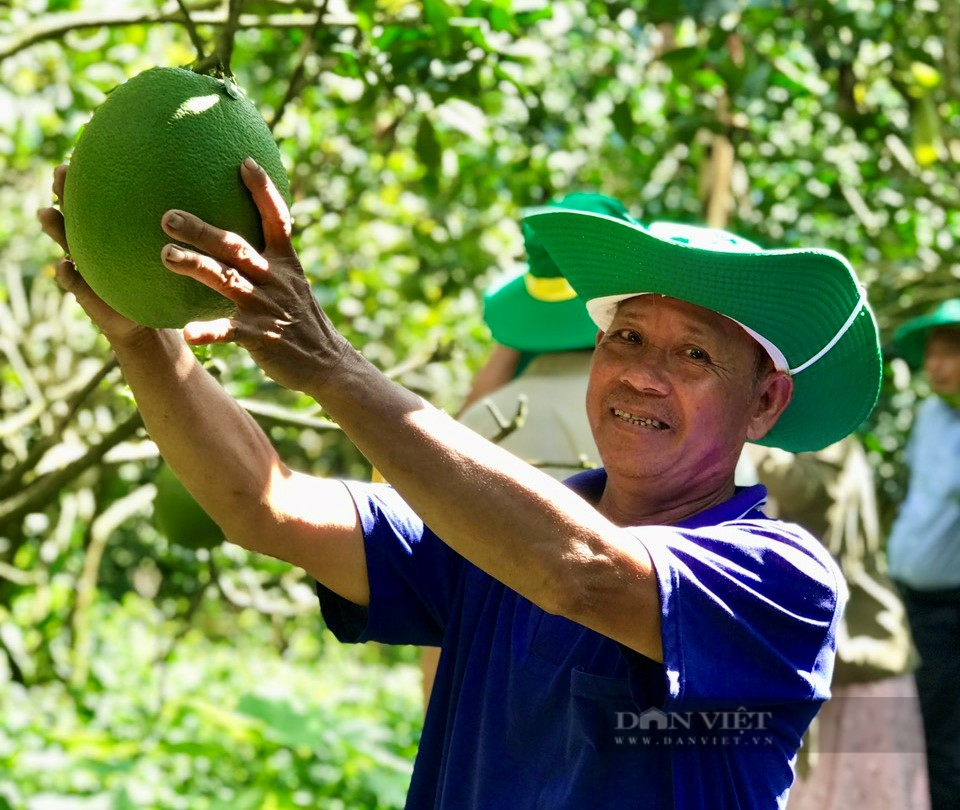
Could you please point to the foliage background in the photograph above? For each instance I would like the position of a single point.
(135, 672)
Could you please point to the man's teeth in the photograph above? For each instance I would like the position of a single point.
(638, 420)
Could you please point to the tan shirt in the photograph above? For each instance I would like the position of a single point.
(555, 434)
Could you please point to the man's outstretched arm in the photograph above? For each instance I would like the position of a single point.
(511, 520)
(219, 452)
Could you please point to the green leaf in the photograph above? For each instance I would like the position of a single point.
(623, 120)
(437, 14)
(683, 60)
(428, 145)
(285, 723)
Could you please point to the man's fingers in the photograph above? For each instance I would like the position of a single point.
(222, 245)
(219, 277)
(68, 277)
(71, 281)
(112, 323)
(59, 180)
(201, 333)
(274, 213)
(51, 222)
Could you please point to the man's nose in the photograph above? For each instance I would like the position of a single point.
(648, 371)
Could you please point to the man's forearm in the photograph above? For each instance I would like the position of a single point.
(510, 519)
(217, 450)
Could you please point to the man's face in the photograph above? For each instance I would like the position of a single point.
(673, 393)
(941, 360)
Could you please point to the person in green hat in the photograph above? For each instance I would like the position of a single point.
(923, 550)
(543, 343)
(638, 635)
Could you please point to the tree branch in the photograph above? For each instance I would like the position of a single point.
(25, 579)
(100, 531)
(13, 478)
(42, 490)
(268, 414)
(192, 32)
(219, 60)
(505, 428)
(256, 597)
(433, 353)
(228, 32)
(17, 674)
(55, 28)
(296, 78)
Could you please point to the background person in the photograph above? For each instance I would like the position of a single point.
(865, 747)
(924, 545)
(544, 339)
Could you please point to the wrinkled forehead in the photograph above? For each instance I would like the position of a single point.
(692, 315)
(697, 318)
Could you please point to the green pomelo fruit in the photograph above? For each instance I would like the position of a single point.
(167, 138)
(179, 517)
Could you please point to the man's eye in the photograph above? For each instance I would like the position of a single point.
(698, 354)
(630, 336)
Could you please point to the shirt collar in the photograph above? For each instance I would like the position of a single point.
(747, 502)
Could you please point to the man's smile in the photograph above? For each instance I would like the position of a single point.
(642, 421)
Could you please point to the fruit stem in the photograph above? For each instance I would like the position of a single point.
(217, 63)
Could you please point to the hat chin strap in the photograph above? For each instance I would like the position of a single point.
(861, 303)
(603, 309)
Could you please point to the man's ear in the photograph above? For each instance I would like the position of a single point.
(773, 395)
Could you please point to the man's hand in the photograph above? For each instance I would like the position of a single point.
(277, 320)
(114, 326)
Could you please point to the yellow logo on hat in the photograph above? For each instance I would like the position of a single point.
(550, 290)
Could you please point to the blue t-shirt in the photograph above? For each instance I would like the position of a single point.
(530, 710)
(923, 550)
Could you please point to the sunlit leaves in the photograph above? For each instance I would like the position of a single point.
(216, 723)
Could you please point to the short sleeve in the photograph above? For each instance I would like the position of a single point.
(749, 612)
(413, 575)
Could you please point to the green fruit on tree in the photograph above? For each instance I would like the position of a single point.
(167, 138)
(179, 517)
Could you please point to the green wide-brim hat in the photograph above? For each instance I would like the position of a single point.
(537, 310)
(910, 339)
(805, 306)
